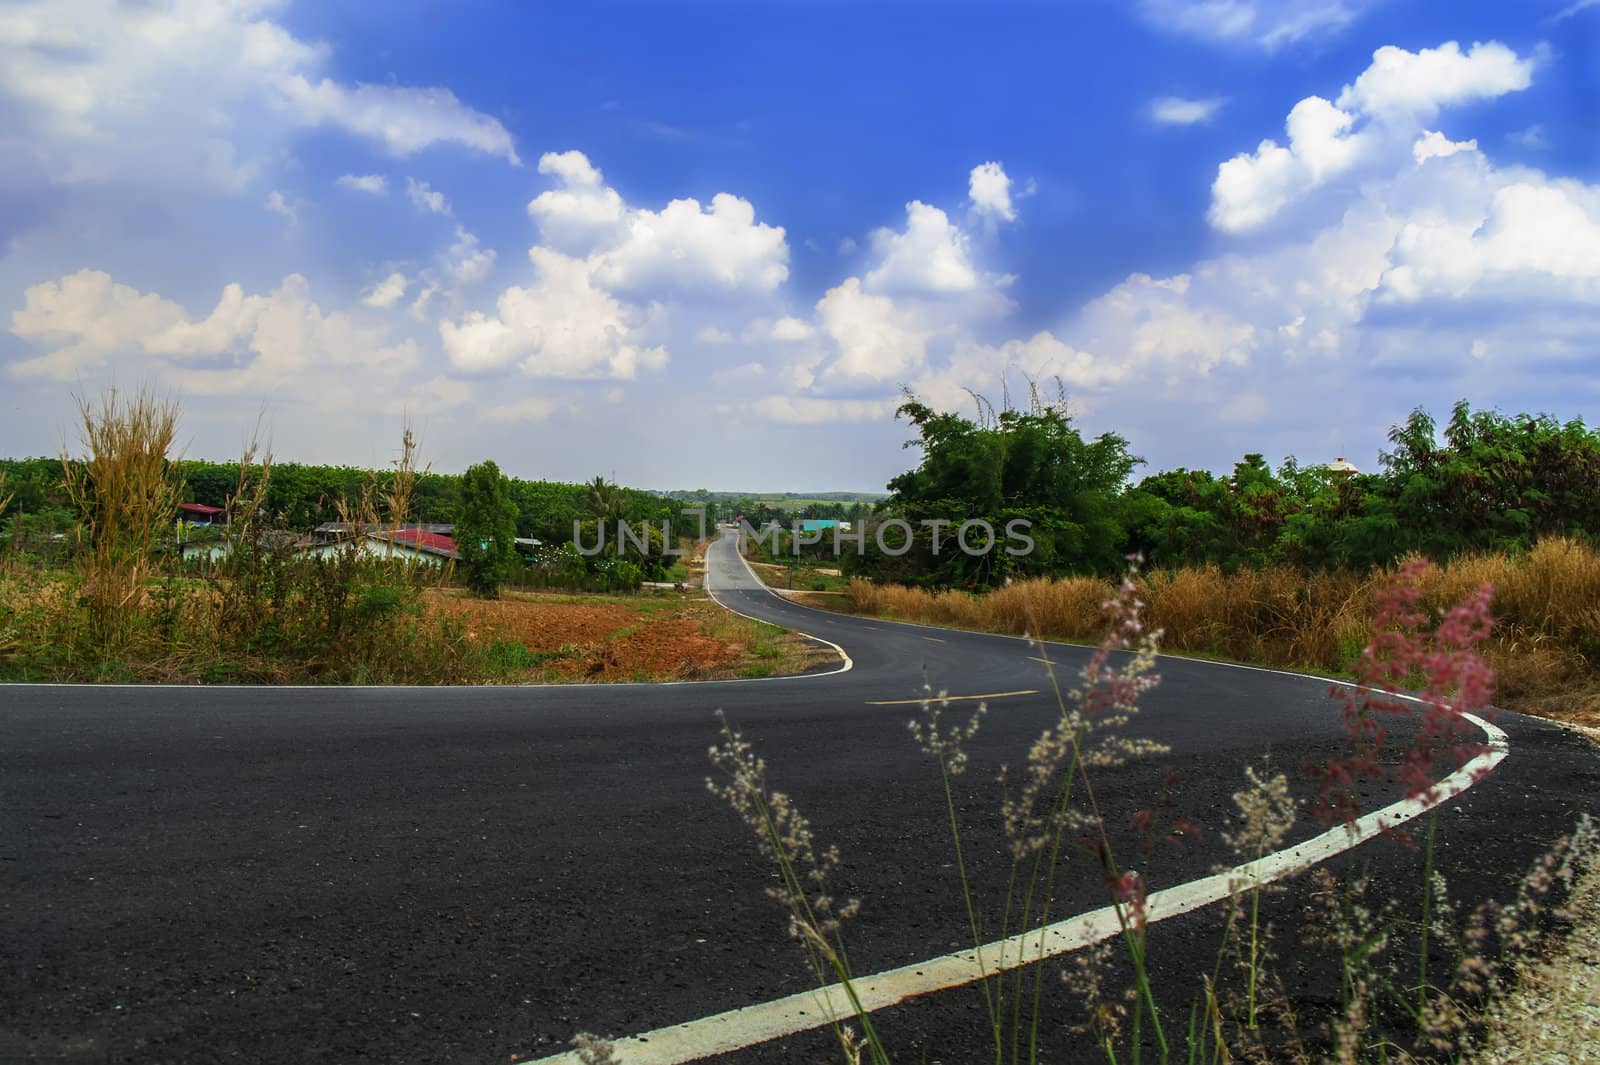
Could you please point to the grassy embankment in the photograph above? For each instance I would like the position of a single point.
(1545, 650)
(433, 635)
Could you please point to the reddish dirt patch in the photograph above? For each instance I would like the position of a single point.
(600, 641)
(537, 626)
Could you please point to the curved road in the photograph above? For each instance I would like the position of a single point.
(475, 874)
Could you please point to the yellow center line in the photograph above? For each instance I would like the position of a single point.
(949, 698)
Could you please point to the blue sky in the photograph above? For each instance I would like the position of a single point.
(707, 243)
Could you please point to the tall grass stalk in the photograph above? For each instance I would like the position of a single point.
(126, 489)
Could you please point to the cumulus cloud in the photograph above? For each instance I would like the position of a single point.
(790, 329)
(386, 293)
(690, 249)
(371, 184)
(466, 262)
(989, 189)
(685, 247)
(928, 257)
(424, 198)
(1435, 145)
(875, 339)
(583, 213)
(1535, 242)
(1372, 121)
(1252, 188)
(564, 325)
(1413, 86)
(111, 90)
(90, 323)
(1178, 111)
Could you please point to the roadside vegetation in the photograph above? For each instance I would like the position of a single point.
(1262, 566)
(100, 591)
(1543, 650)
(1421, 976)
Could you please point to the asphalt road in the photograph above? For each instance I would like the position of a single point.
(475, 874)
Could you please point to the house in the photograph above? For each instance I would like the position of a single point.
(408, 543)
(200, 514)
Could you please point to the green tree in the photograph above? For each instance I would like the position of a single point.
(486, 528)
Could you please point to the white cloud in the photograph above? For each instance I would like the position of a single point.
(1534, 242)
(279, 205)
(875, 339)
(1435, 145)
(1264, 23)
(372, 184)
(1178, 111)
(809, 410)
(684, 247)
(1373, 120)
(419, 306)
(195, 92)
(847, 246)
(430, 397)
(928, 258)
(562, 326)
(528, 409)
(583, 213)
(791, 329)
(405, 119)
(281, 340)
(386, 293)
(1250, 189)
(989, 189)
(424, 198)
(466, 262)
(710, 334)
(689, 249)
(1415, 85)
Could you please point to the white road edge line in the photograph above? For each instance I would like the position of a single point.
(747, 1026)
(849, 664)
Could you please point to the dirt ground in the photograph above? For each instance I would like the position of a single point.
(669, 636)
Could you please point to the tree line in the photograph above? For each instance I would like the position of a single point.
(1483, 481)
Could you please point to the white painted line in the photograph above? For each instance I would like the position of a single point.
(849, 664)
(949, 698)
(737, 1029)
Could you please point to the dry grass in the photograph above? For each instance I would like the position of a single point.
(1545, 652)
(127, 489)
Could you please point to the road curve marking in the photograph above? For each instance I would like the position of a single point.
(747, 1026)
(949, 698)
(844, 655)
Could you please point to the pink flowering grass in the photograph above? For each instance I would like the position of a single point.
(1409, 672)
(1405, 726)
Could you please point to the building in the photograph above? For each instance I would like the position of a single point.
(200, 514)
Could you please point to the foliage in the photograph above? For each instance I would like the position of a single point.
(486, 528)
(1029, 464)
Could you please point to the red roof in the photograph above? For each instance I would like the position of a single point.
(425, 541)
(199, 508)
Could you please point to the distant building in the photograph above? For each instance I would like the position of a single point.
(1342, 468)
(200, 514)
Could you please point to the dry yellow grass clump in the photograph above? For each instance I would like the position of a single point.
(1544, 651)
